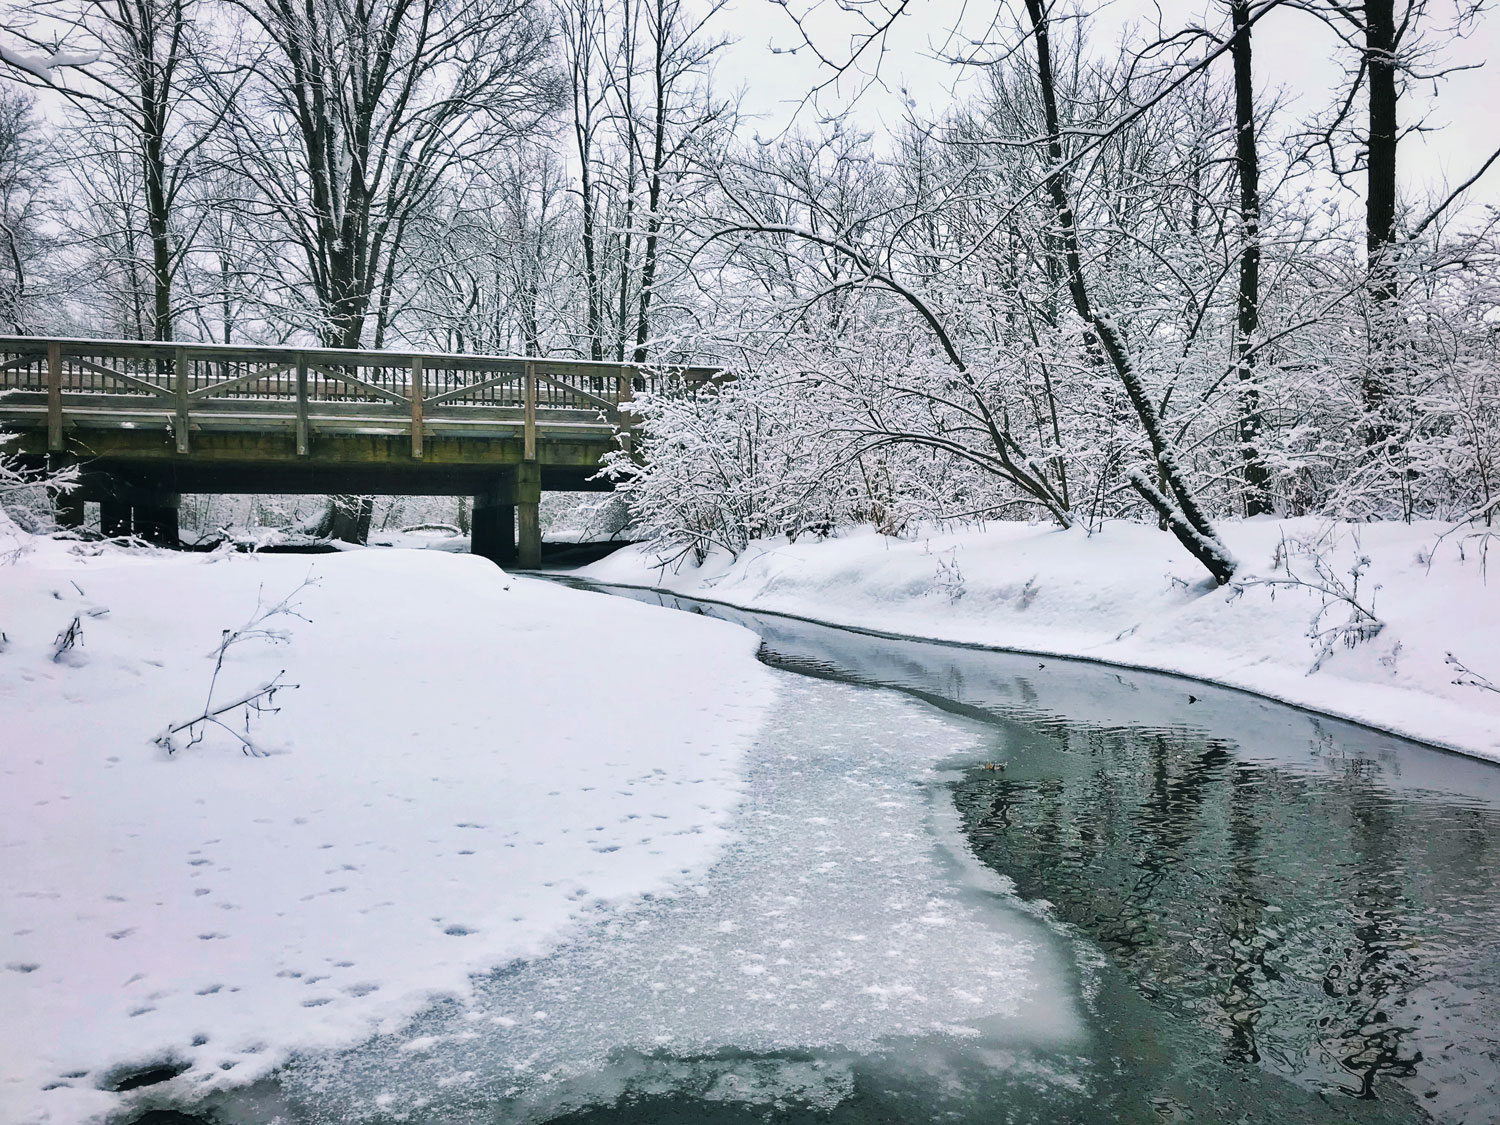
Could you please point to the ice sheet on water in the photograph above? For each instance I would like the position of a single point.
(845, 915)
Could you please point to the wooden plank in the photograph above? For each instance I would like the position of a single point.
(340, 377)
(471, 388)
(416, 407)
(287, 408)
(302, 428)
(255, 376)
(625, 394)
(138, 349)
(180, 373)
(128, 380)
(24, 345)
(578, 368)
(530, 439)
(602, 403)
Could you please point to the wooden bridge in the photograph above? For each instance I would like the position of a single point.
(147, 422)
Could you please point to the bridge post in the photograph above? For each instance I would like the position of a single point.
(528, 508)
(529, 416)
(416, 408)
(180, 382)
(302, 426)
(54, 397)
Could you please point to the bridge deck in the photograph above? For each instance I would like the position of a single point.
(213, 418)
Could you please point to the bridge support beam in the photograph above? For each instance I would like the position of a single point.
(114, 517)
(512, 505)
(156, 522)
(528, 509)
(492, 530)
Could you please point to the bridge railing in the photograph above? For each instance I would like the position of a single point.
(83, 383)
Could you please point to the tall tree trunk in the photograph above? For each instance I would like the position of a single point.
(161, 246)
(154, 173)
(653, 192)
(627, 91)
(595, 314)
(1380, 214)
(581, 68)
(348, 518)
(1256, 476)
(387, 287)
(226, 307)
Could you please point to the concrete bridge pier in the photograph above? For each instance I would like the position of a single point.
(156, 521)
(492, 530)
(126, 507)
(114, 517)
(528, 513)
(511, 506)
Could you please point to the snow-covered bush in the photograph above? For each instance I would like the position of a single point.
(27, 493)
(721, 465)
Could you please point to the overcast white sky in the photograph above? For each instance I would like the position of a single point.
(1293, 52)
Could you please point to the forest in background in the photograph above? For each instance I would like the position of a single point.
(1117, 278)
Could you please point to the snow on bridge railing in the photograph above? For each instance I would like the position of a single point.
(254, 388)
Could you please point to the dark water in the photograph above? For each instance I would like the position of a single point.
(1287, 896)
(1265, 915)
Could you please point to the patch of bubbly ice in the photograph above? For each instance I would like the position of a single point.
(845, 916)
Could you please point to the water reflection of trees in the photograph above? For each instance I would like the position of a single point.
(1277, 910)
(1378, 968)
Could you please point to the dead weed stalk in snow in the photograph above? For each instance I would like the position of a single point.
(1467, 677)
(1484, 536)
(67, 639)
(257, 701)
(1333, 588)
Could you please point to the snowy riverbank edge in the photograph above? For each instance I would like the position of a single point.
(1128, 596)
(474, 766)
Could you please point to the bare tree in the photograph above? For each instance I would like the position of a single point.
(662, 122)
(1389, 46)
(584, 48)
(1177, 505)
(23, 203)
(353, 116)
(133, 79)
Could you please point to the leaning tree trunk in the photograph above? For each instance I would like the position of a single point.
(1176, 504)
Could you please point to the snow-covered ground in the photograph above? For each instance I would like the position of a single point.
(473, 766)
(427, 539)
(1130, 595)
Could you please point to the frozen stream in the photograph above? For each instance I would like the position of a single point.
(1173, 903)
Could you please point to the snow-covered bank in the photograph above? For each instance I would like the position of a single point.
(1130, 595)
(472, 766)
